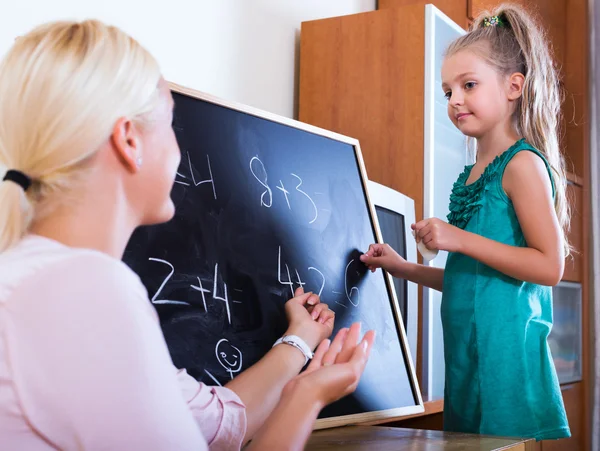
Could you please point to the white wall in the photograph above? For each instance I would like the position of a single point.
(241, 50)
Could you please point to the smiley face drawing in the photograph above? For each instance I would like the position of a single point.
(229, 356)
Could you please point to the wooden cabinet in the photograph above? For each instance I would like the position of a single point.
(574, 263)
(454, 9)
(574, 394)
(576, 84)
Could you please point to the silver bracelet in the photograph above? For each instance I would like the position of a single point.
(298, 343)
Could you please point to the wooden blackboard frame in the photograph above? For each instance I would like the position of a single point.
(368, 417)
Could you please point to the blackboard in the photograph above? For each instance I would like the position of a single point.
(265, 204)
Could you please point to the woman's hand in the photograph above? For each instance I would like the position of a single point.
(333, 373)
(336, 368)
(439, 235)
(309, 318)
(383, 256)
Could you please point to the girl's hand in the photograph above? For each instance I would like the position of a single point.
(336, 368)
(439, 235)
(309, 318)
(383, 256)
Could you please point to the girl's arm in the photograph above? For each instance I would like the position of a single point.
(383, 256)
(528, 186)
(427, 276)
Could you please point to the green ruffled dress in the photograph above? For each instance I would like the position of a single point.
(500, 376)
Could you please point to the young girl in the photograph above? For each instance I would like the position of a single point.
(505, 233)
(87, 154)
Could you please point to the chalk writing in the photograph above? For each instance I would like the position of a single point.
(259, 165)
(349, 293)
(225, 299)
(154, 299)
(210, 180)
(228, 356)
(258, 170)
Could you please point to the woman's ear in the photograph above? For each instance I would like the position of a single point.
(127, 144)
(515, 85)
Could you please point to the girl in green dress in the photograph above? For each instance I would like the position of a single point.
(505, 233)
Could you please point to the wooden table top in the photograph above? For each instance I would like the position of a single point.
(377, 438)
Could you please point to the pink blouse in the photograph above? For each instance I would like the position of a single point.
(84, 365)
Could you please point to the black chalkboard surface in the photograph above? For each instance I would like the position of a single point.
(265, 204)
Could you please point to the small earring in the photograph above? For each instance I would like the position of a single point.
(138, 162)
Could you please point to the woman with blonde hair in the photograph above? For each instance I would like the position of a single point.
(88, 154)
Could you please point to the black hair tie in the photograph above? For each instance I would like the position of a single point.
(18, 177)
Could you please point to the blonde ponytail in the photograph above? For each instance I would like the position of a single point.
(15, 212)
(518, 44)
(63, 86)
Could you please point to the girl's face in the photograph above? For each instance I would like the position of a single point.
(479, 99)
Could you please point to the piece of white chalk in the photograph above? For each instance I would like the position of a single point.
(427, 254)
